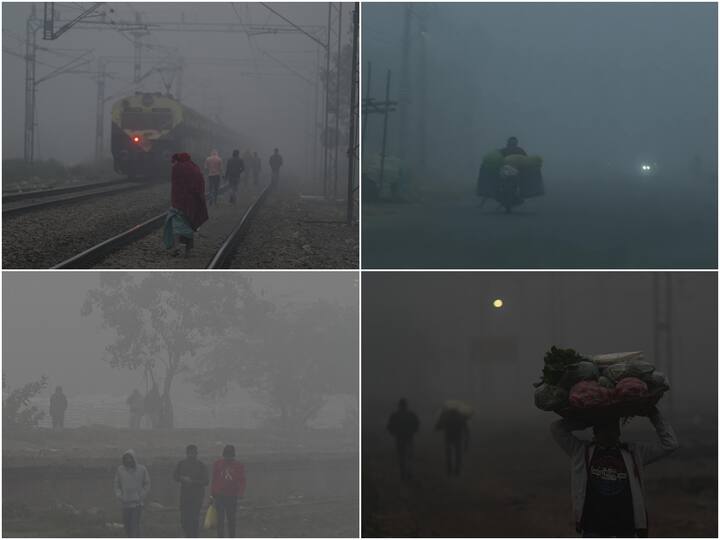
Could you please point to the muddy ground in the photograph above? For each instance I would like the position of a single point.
(516, 483)
(60, 484)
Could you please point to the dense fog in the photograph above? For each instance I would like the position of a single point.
(49, 333)
(590, 87)
(474, 343)
(618, 99)
(447, 340)
(259, 371)
(262, 83)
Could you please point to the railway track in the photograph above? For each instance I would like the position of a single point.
(18, 203)
(221, 259)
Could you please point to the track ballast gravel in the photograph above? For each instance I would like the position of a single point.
(149, 251)
(43, 238)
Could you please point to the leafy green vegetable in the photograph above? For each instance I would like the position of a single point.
(556, 361)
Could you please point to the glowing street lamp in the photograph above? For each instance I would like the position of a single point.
(498, 303)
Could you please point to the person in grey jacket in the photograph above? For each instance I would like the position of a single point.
(132, 484)
(608, 491)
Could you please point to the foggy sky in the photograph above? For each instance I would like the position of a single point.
(418, 330)
(45, 334)
(583, 85)
(269, 110)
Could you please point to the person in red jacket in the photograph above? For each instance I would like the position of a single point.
(188, 205)
(228, 484)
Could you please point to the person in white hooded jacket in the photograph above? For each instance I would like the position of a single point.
(608, 491)
(132, 484)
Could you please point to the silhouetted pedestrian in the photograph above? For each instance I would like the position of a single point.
(58, 406)
(402, 425)
(193, 477)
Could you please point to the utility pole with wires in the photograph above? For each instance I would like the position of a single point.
(422, 98)
(338, 67)
(327, 104)
(354, 114)
(404, 97)
(137, 49)
(31, 28)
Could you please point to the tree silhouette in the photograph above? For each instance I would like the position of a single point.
(293, 362)
(18, 412)
(163, 321)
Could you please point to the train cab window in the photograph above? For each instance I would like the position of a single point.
(147, 120)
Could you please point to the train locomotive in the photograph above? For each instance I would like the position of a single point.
(148, 128)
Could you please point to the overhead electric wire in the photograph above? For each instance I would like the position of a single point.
(298, 28)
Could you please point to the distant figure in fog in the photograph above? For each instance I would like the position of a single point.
(189, 209)
(213, 168)
(512, 148)
(58, 406)
(454, 424)
(276, 162)
(193, 477)
(608, 491)
(403, 425)
(132, 484)
(228, 484)
(233, 172)
(136, 404)
(152, 406)
(255, 168)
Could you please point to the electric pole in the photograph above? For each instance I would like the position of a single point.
(354, 90)
(422, 105)
(137, 49)
(404, 97)
(327, 108)
(31, 28)
(337, 99)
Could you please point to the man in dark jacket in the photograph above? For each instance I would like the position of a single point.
(58, 406)
(233, 171)
(193, 477)
(512, 148)
(403, 424)
(276, 162)
(454, 424)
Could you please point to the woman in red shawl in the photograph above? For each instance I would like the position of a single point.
(189, 209)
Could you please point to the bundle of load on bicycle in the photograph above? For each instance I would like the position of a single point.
(510, 179)
(598, 387)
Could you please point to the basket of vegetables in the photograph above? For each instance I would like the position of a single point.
(595, 388)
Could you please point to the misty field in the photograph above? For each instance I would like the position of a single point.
(59, 484)
(516, 483)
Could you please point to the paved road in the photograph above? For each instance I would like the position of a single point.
(647, 227)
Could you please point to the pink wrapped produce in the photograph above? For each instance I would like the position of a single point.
(589, 394)
(630, 388)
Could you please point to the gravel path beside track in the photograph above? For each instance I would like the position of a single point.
(292, 231)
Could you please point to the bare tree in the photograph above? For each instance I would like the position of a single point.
(162, 320)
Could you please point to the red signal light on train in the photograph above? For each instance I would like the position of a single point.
(136, 139)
